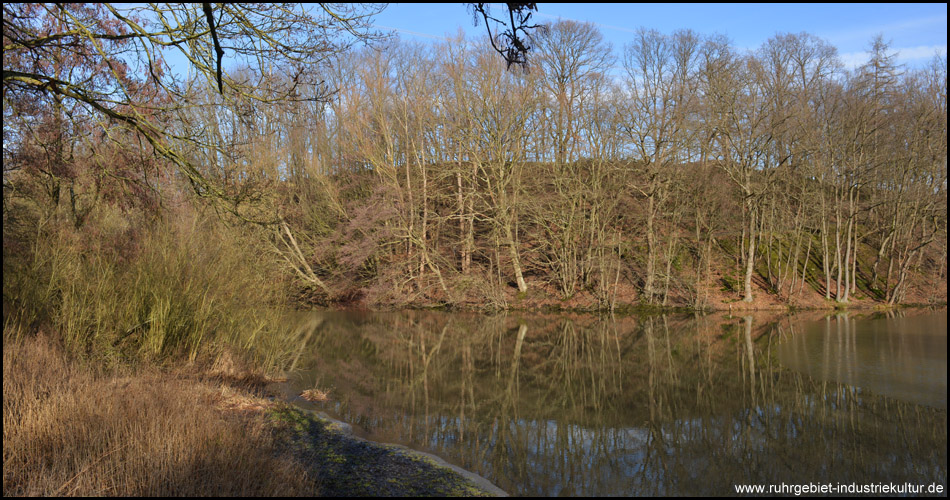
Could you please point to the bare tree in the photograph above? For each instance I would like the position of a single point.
(512, 46)
(125, 77)
(572, 59)
(659, 78)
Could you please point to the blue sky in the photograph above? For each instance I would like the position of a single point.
(916, 31)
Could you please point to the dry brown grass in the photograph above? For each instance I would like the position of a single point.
(71, 430)
(315, 395)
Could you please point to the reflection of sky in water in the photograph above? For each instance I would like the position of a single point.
(686, 420)
(904, 358)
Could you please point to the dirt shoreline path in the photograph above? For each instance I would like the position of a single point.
(347, 465)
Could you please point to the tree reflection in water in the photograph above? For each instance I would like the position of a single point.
(651, 405)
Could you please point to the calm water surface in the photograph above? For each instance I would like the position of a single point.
(654, 405)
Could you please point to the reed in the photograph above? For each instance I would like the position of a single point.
(170, 291)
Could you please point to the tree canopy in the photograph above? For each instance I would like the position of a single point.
(109, 62)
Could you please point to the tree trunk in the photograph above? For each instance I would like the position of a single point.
(750, 257)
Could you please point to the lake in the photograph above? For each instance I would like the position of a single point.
(580, 405)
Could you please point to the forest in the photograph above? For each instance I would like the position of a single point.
(304, 160)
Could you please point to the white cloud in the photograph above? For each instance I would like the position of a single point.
(925, 52)
(912, 56)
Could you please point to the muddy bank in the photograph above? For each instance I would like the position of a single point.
(346, 465)
(542, 298)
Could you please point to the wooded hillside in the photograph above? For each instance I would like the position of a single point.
(675, 171)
